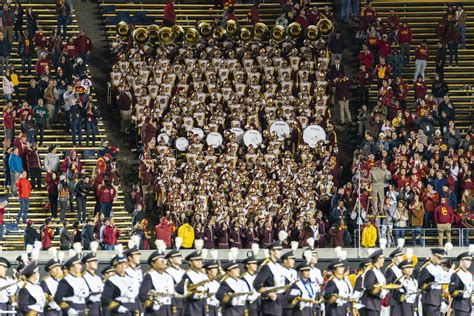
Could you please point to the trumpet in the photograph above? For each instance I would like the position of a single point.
(153, 295)
(276, 288)
(194, 287)
(237, 294)
(389, 286)
(307, 300)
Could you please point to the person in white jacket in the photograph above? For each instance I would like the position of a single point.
(8, 87)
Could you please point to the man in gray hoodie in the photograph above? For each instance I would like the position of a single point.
(70, 98)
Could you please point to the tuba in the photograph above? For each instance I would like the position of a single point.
(231, 27)
(153, 33)
(278, 33)
(245, 35)
(140, 35)
(312, 33)
(123, 30)
(325, 27)
(178, 33)
(166, 35)
(260, 31)
(295, 29)
(205, 29)
(219, 34)
(191, 36)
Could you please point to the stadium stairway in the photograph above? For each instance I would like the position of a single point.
(13, 240)
(422, 17)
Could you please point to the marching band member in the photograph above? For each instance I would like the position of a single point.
(212, 272)
(270, 282)
(288, 263)
(133, 256)
(316, 277)
(392, 272)
(192, 285)
(7, 295)
(175, 260)
(120, 290)
(251, 268)
(157, 289)
(338, 289)
(302, 294)
(461, 286)
(429, 282)
(374, 294)
(108, 272)
(31, 298)
(50, 284)
(72, 288)
(233, 291)
(404, 300)
(93, 281)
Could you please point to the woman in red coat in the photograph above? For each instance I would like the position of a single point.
(420, 88)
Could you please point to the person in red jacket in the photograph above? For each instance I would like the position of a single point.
(404, 39)
(401, 92)
(164, 230)
(421, 57)
(430, 200)
(41, 42)
(169, 14)
(420, 88)
(42, 65)
(444, 218)
(385, 48)
(24, 191)
(52, 181)
(343, 95)
(9, 124)
(33, 162)
(393, 24)
(366, 57)
(47, 235)
(111, 234)
(83, 46)
(106, 197)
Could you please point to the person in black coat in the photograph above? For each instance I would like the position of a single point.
(88, 234)
(337, 290)
(231, 292)
(393, 272)
(427, 282)
(50, 286)
(302, 295)
(31, 234)
(373, 295)
(271, 275)
(404, 301)
(72, 290)
(461, 286)
(31, 298)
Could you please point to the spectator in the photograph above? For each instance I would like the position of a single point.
(47, 235)
(169, 14)
(16, 168)
(337, 234)
(52, 182)
(8, 21)
(461, 17)
(343, 96)
(3, 205)
(81, 190)
(421, 57)
(346, 11)
(441, 59)
(186, 232)
(396, 60)
(336, 46)
(9, 114)
(417, 212)
(364, 79)
(63, 196)
(83, 46)
(92, 114)
(444, 218)
(401, 219)
(34, 167)
(405, 39)
(76, 117)
(137, 215)
(164, 231)
(369, 235)
(88, 234)
(453, 39)
(6, 168)
(63, 13)
(8, 87)
(43, 65)
(41, 118)
(4, 53)
(31, 22)
(111, 235)
(76, 233)
(65, 239)
(24, 191)
(31, 235)
(253, 15)
(51, 100)
(51, 160)
(107, 196)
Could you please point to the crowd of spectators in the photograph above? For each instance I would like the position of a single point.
(59, 96)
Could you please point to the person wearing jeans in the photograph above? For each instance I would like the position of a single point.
(81, 190)
(421, 56)
(461, 16)
(444, 217)
(400, 220)
(16, 168)
(76, 117)
(24, 191)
